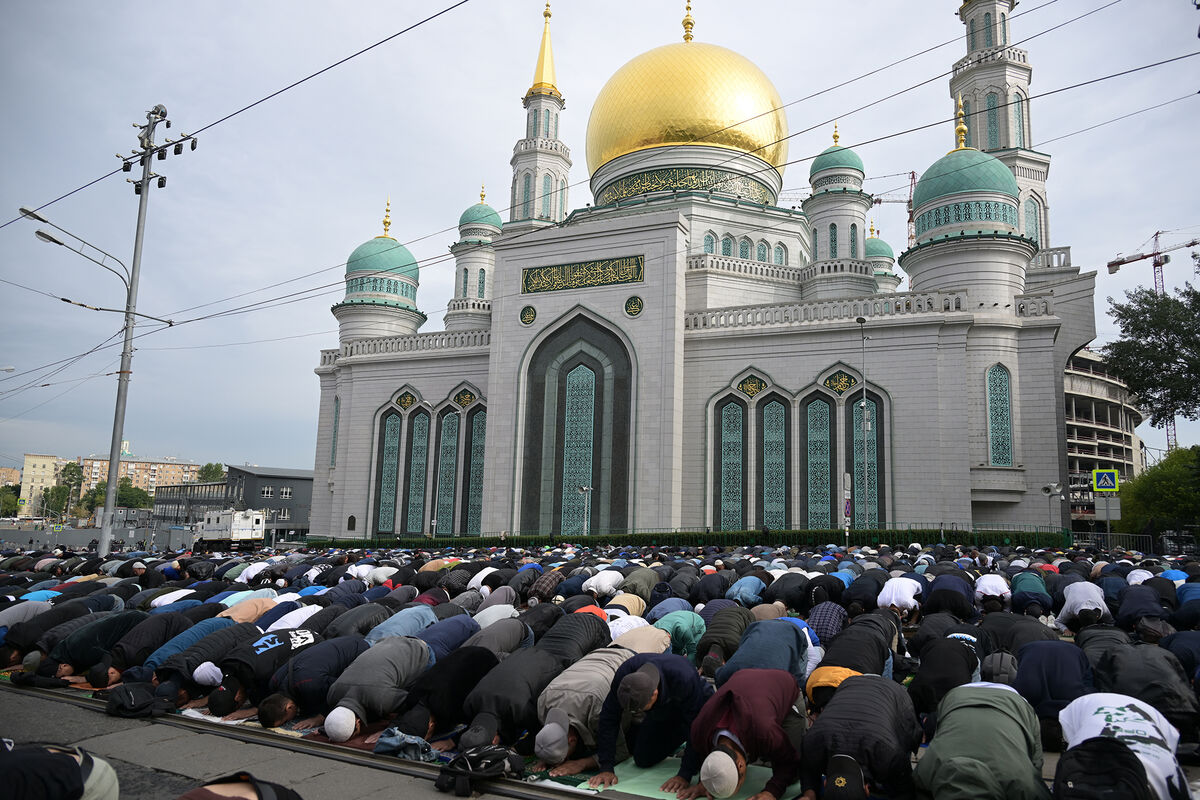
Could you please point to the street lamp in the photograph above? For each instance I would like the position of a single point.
(586, 491)
(8, 369)
(866, 425)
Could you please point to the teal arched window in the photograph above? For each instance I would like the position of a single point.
(731, 467)
(744, 249)
(780, 255)
(555, 130)
(967, 120)
(999, 408)
(531, 124)
(1019, 119)
(816, 245)
(818, 453)
(727, 246)
(578, 449)
(476, 433)
(971, 35)
(762, 252)
(389, 471)
(562, 197)
(993, 121)
(546, 123)
(447, 470)
(1003, 29)
(466, 281)
(773, 458)
(337, 413)
(527, 197)
(853, 240)
(1033, 220)
(418, 465)
(865, 474)
(547, 189)
(833, 250)
(482, 282)
(987, 30)
(710, 243)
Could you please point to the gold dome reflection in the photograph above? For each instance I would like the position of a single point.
(687, 93)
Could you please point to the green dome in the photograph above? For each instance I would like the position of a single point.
(383, 254)
(964, 170)
(836, 156)
(874, 247)
(480, 214)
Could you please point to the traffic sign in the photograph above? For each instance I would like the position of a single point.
(57, 528)
(847, 508)
(1105, 480)
(21, 501)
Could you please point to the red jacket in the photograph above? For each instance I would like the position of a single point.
(752, 705)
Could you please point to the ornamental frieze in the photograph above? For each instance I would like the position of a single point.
(585, 274)
(678, 178)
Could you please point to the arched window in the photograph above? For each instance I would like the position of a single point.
(337, 413)
(993, 121)
(833, 251)
(473, 490)
(482, 282)
(562, 197)
(546, 191)
(730, 473)
(447, 469)
(388, 470)
(578, 448)
(815, 248)
(350, 522)
(744, 249)
(762, 252)
(416, 468)
(1019, 119)
(555, 131)
(999, 407)
(710, 243)
(531, 124)
(867, 490)
(853, 240)
(1003, 29)
(527, 197)
(817, 426)
(1033, 220)
(727, 246)
(987, 30)
(546, 123)
(971, 35)
(780, 254)
(466, 281)
(773, 449)
(968, 121)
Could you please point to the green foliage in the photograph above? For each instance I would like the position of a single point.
(211, 472)
(54, 499)
(71, 476)
(8, 500)
(128, 496)
(1158, 354)
(94, 497)
(1164, 497)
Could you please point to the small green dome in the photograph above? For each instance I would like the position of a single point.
(836, 156)
(383, 254)
(480, 214)
(964, 170)
(875, 247)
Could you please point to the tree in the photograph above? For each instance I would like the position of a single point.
(54, 499)
(95, 496)
(211, 472)
(8, 500)
(71, 476)
(1164, 497)
(1158, 354)
(129, 496)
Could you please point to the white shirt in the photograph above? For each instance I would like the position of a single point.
(1078, 596)
(899, 592)
(604, 583)
(993, 585)
(294, 619)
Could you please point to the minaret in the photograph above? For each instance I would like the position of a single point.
(837, 215)
(541, 162)
(474, 259)
(993, 81)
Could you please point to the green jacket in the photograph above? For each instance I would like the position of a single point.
(686, 629)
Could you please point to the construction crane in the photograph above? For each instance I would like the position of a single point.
(1161, 259)
(908, 201)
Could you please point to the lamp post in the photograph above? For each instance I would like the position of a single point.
(129, 277)
(586, 491)
(866, 426)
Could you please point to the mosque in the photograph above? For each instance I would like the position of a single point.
(684, 353)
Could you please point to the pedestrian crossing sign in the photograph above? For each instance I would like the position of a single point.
(1105, 480)
(57, 528)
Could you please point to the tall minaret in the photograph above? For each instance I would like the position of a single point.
(993, 81)
(474, 258)
(540, 162)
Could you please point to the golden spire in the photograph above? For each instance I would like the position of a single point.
(387, 217)
(872, 234)
(482, 195)
(835, 134)
(960, 130)
(688, 23)
(543, 74)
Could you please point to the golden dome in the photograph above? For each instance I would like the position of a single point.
(687, 93)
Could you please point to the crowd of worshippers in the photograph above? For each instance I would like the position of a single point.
(834, 666)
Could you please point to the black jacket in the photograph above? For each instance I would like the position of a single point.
(444, 687)
(255, 661)
(307, 676)
(147, 636)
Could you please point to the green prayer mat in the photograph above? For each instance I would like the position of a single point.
(645, 782)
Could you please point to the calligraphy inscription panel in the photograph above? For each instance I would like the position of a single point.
(583, 275)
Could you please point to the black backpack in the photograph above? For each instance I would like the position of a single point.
(1101, 768)
(478, 763)
(137, 700)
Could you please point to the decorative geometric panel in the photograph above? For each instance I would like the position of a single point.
(482, 282)
(546, 123)
(987, 30)
(744, 249)
(853, 241)
(528, 315)
(866, 481)
(527, 198)
(406, 400)
(780, 255)
(820, 466)
(999, 405)
(447, 469)
(475, 498)
(686, 179)
(733, 466)
(993, 121)
(761, 252)
(1019, 119)
(418, 459)
(466, 281)
(752, 385)
(727, 246)
(546, 191)
(578, 443)
(774, 461)
(1003, 29)
(562, 188)
(389, 471)
(968, 120)
(710, 243)
(833, 241)
(840, 381)
(634, 306)
(464, 398)
(1033, 220)
(337, 413)
(972, 36)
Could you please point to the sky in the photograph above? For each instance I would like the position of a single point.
(279, 195)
